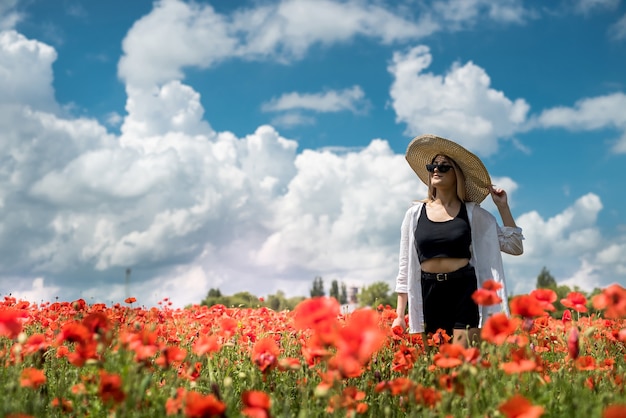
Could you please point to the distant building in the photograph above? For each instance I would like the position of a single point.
(353, 300)
(353, 293)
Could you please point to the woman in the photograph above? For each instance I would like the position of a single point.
(449, 245)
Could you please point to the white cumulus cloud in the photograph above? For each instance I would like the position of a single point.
(460, 104)
(26, 71)
(350, 99)
(589, 6)
(177, 34)
(461, 13)
(590, 114)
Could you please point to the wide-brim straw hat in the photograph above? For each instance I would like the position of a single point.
(424, 148)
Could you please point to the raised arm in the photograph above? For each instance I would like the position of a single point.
(502, 203)
(510, 235)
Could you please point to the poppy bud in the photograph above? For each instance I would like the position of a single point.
(567, 316)
(572, 344)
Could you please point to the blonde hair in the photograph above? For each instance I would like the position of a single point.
(460, 181)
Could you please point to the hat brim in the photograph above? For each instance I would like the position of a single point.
(424, 148)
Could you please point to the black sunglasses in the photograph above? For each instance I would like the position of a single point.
(443, 168)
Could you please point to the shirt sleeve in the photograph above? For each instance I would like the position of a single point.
(487, 250)
(510, 239)
(403, 259)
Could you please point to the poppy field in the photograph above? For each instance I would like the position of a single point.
(75, 359)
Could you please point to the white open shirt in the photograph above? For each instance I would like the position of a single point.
(488, 239)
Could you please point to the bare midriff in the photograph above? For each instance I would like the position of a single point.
(443, 264)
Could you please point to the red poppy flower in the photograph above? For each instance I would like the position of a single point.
(449, 356)
(130, 300)
(79, 389)
(174, 405)
(575, 301)
(519, 362)
(427, 396)
(346, 364)
(75, 332)
(207, 344)
(526, 306)
(614, 411)
(35, 343)
(361, 336)
(381, 386)
(349, 400)
(319, 314)
(32, 378)
(110, 389)
(492, 285)
(65, 405)
(143, 343)
(397, 333)
(546, 298)
(256, 404)
(613, 300)
(388, 314)
(484, 297)
(202, 406)
(265, 353)
(520, 407)
(312, 312)
(585, 363)
(228, 326)
(452, 383)
(404, 358)
(97, 322)
(82, 353)
(171, 355)
(400, 386)
(11, 322)
(498, 327)
(79, 305)
(439, 337)
(190, 372)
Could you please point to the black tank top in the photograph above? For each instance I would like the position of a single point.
(443, 239)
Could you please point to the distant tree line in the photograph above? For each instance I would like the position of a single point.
(336, 291)
(372, 295)
(277, 301)
(375, 294)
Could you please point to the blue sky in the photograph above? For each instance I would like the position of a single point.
(254, 145)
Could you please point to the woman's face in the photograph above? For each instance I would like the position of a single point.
(440, 179)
